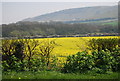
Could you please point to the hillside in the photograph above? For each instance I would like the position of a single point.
(79, 14)
(103, 18)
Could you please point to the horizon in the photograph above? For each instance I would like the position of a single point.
(16, 11)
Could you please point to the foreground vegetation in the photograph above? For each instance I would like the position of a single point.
(101, 57)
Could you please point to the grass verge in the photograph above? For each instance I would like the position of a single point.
(56, 75)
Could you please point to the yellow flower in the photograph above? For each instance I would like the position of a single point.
(19, 78)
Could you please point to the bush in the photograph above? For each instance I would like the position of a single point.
(36, 64)
(22, 55)
(116, 55)
(99, 62)
(103, 60)
(12, 54)
(103, 44)
(13, 64)
(12, 48)
(80, 62)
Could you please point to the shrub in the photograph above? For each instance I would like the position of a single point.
(12, 54)
(99, 62)
(22, 55)
(103, 44)
(80, 62)
(116, 55)
(103, 60)
(13, 64)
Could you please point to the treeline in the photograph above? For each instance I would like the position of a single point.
(54, 28)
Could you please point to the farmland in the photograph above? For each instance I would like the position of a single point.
(69, 42)
(66, 46)
(71, 45)
(60, 56)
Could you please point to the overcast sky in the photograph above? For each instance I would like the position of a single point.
(17, 11)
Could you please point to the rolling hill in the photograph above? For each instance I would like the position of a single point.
(104, 18)
(97, 13)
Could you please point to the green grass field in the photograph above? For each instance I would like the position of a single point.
(57, 75)
(115, 23)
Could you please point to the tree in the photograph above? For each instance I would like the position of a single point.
(103, 44)
(12, 52)
(46, 48)
(12, 47)
(31, 49)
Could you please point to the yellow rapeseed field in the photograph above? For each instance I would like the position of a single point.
(71, 45)
(65, 46)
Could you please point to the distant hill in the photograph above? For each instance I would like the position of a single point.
(97, 13)
(104, 21)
